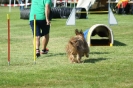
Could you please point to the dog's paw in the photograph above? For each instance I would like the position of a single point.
(87, 55)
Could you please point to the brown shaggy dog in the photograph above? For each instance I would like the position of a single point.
(77, 47)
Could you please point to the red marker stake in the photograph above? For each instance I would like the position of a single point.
(8, 20)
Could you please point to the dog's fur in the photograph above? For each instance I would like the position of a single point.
(77, 47)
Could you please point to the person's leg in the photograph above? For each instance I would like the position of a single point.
(37, 37)
(45, 36)
(22, 7)
(45, 40)
(19, 2)
(37, 45)
(37, 42)
(131, 8)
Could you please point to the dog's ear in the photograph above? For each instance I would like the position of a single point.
(76, 31)
(81, 32)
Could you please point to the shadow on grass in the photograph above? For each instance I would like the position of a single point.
(55, 54)
(99, 52)
(117, 43)
(94, 60)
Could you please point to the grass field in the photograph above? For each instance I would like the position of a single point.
(106, 67)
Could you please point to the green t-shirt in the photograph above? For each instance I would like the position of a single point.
(38, 9)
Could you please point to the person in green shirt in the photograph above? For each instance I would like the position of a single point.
(41, 10)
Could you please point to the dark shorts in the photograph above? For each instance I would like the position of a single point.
(41, 27)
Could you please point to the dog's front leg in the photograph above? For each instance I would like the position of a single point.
(78, 58)
(86, 54)
(72, 58)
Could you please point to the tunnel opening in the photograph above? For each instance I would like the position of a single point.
(99, 35)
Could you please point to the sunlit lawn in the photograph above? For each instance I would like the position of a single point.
(107, 67)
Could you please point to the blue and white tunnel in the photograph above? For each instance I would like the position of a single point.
(99, 35)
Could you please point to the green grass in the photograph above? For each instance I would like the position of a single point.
(107, 67)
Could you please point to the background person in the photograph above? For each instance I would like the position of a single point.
(41, 8)
(123, 6)
(21, 3)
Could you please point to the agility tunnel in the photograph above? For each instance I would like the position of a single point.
(57, 12)
(99, 35)
(24, 14)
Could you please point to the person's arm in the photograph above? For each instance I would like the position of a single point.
(47, 13)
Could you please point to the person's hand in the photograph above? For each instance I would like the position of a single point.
(48, 22)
